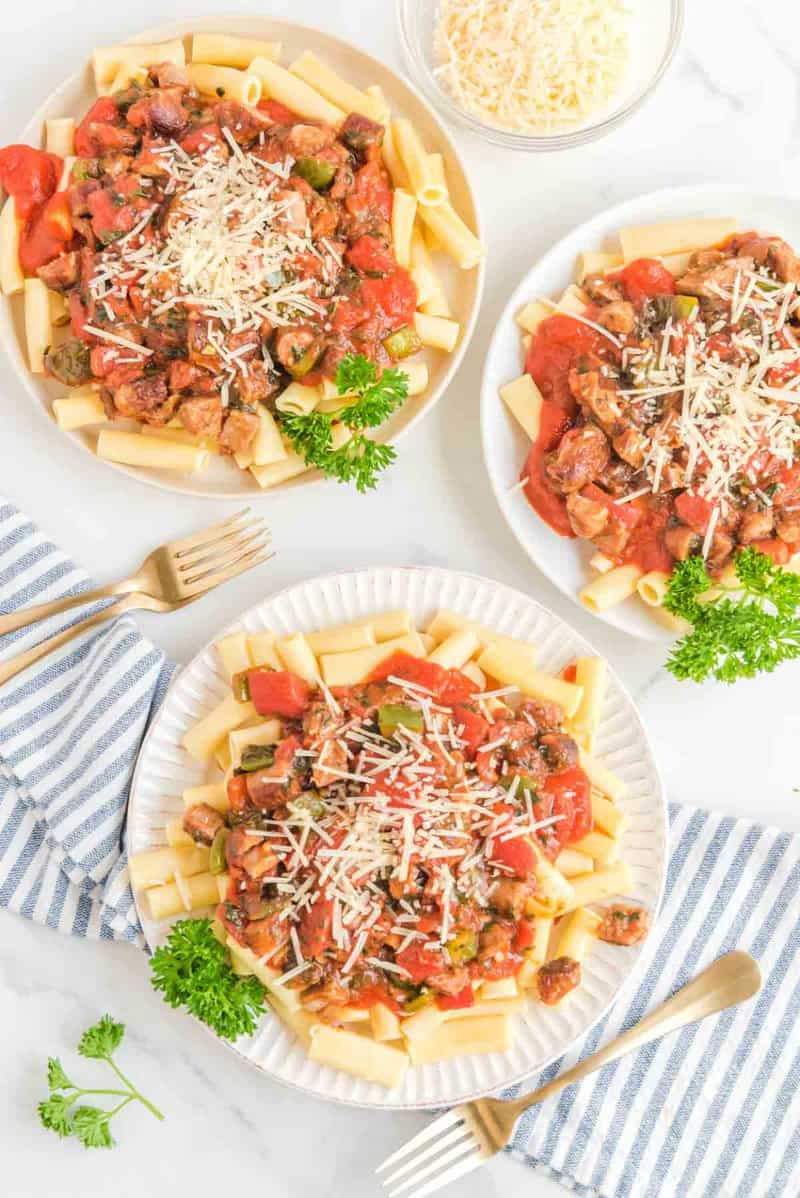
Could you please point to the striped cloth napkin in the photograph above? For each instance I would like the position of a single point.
(70, 731)
(713, 1112)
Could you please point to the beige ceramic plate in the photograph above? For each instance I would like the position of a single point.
(223, 479)
(542, 1033)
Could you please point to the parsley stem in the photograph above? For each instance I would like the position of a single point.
(134, 1093)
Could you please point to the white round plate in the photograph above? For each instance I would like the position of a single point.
(541, 1033)
(223, 479)
(505, 446)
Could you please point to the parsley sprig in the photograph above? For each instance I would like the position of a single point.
(741, 630)
(193, 970)
(89, 1124)
(360, 460)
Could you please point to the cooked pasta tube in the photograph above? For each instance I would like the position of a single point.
(155, 866)
(177, 838)
(59, 136)
(346, 669)
(183, 895)
(392, 160)
(297, 656)
(225, 83)
(293, 464)
(267, 445)
(426, 181)
(513, 670)
(279, 84)
(79, 409)
(213, 794)
(342, 639)
(573, 300)
(181, 436)
(652, 587)
(404, 211)
(431, 298)
(460, 1037)
(437, 331)
(384, 1024)
(38, 332)
(524, 401)
(417, 374)
(261, 647)
(234, 654)
(472, 671)
(132, 449)
(268, 733)
(289, 999)
(554, 894)
(335, 89)
(571, 862)
(607, 881)
(607, 816)
(674, 237)
(602, 777)
(358, 1055)
(590, 675)
(298, 399)
(499, 988)
(107, 60)
(202, 739)
(607, 590)
(601, 563)
(454, 652)
(531, 316)
(598, 846)
(595, 262)
(455, 238)
(226, 51)
(575, 934)
(12, 280)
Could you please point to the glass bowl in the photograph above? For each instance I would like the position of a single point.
(655, 30)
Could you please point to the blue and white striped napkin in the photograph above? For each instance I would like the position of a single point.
(70, 731)
(713, 1112)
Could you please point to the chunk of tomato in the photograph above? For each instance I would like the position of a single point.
(278, 692)
(30, 176)
(569, 796)
(517, 854)
(472, 728)
(456, 1002)
(370, 255)
(694, 511)
(523, 937)
(394, 296)
(420, 963)
(644, 278)
(775, 548)
(278, 112)
(104, 111)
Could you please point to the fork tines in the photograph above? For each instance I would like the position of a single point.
(454, 1151)
(221, 552)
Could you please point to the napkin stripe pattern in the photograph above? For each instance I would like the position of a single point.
(70, 732)
(714, 1111)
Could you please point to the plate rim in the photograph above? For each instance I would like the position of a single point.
(184, 28)
(660, 795)
(490, 403)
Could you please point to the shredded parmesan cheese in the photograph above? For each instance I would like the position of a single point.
(532, 66)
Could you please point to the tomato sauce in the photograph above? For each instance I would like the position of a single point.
(558, 345)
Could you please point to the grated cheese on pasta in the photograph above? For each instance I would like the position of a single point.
(531, 66)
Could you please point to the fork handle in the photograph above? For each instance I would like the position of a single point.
(730, 980)
(42, 611)
(10, 669)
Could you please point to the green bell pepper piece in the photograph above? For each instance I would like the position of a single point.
(317, 172)
(392, 715)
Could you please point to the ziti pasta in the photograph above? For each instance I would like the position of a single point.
(660, 398)
(401, 848)
(222, 230)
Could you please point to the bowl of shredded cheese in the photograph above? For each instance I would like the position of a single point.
(539, 74)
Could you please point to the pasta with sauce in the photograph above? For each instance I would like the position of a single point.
(353, 910)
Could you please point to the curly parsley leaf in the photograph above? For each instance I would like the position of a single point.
(100, 1041)
(192, 970)
(89, 1124)
(56, 1077)
(359, 460)
(739, 630)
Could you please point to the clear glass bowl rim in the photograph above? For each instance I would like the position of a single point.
(421, 75)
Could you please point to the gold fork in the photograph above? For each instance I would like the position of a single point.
(171, 577)
(467, 1136)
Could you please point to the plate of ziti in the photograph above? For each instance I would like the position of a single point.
(640, 399)
(237, 255)
(415, 818)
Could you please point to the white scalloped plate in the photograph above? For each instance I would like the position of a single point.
(464, 287)
(541, 1033)
(565, 562)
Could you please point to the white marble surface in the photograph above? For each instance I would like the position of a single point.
(729, 109)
